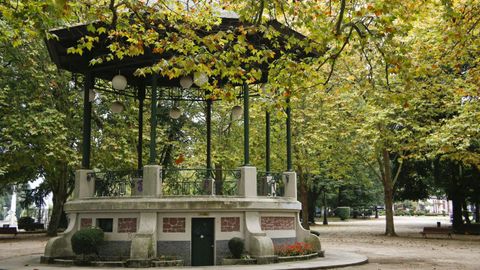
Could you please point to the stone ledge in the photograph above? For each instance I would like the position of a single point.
(231, 261)
(192, 203)
(166, 263)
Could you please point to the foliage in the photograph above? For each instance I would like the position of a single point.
(236, 247)
(392, 87)
(26, 223)
(86, 241)
(298, 248)
(343, 212)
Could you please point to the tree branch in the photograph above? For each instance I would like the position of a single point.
(338, 26)
(335, 56)
(113, 8)
(397, 174)
(258, 18)
(382, 172)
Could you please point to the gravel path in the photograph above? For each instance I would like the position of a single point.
(364, 236)
(407, 251)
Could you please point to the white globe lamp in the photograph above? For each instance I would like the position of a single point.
(237, 112)
(175, 113)
(186, 82)
(119, 82)
(116, 107)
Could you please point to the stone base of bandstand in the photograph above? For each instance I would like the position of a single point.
(148, 224)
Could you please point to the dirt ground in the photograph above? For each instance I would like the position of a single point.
(22, 244)
(364, 236)
(407, 251)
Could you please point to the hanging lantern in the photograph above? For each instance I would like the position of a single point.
(91, 95)
(119, 82)
(175, 113)
(186, 82)
(237, 112)
(200, 78)
(116, 107)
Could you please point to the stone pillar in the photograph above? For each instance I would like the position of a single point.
(60, 246)
(247, 187)
(307, 237)
(152, 181)
(84, 184)
(144, 242)
(290, 181)
(257, 243)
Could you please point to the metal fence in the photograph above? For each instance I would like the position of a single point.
(117, 183)
(270, 184)
(191, 182)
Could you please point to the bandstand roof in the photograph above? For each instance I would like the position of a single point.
(75, 63)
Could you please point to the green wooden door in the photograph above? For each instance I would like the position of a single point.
(203, 239)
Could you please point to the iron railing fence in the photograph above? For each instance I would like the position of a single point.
(192, 182)
(117, 183)
(270, 184)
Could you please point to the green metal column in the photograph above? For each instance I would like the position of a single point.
(141, 99)
(209, 135)
(267, 142)
(87, 120)
(153, 121)
(289, 136)
(246, 125)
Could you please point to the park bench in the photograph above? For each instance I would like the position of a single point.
(436, 230)
(8, 230)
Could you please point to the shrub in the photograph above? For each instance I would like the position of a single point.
(26, 223)
(298, 248)
(236, 245)
(86, 241)
(343, 212)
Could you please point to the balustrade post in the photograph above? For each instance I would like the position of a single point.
(290, 181)
(247, 186)
(152, 181)
(84, 184)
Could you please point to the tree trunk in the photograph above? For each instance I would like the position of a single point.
(55, 217)
(477, 212)
(303, 198)
(312, 205)
(457, 222)
(465, 213)
(389, 225)
(325, 210)
(59, 187)
(388, 193)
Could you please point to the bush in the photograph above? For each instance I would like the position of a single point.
(343, 212)
(86, 241)
(26, 223)
(236, 245)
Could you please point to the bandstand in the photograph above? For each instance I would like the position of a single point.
(143, 218)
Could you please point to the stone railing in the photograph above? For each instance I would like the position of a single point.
(153, 182)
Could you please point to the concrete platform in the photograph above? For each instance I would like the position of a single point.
(333, 259)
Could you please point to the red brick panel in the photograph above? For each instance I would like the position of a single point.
(85, 223)
(127, 225)
(230, 224)
(173, 225)
(277, 223)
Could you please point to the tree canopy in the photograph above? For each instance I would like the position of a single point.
(381, 91)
